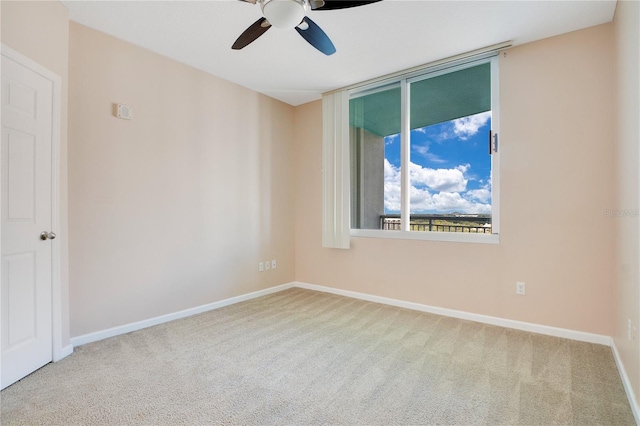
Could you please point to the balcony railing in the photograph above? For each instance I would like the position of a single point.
(478, 224)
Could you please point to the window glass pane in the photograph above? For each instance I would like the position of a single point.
(374, 124)
(450, 164)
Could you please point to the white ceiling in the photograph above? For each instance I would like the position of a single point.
(371, 40)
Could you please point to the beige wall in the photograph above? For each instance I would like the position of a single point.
(627, 127)
(175, 208)
(557, 174)
(40, 31)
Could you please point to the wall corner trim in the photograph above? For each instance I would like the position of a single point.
(501, 322)
(139, 325)
(626, 383)
(64, 352)
(486, 319)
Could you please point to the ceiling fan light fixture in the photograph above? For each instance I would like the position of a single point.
(284, 13)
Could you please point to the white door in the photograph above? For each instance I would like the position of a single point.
(26, 297)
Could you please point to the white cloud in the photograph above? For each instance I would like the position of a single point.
(466, 127)
(388, 140)
(450, 180)
(423, 150)
(391, 186)
(463, 128)
(453, 201)
(463, 167)
(420, 149)
(422, 199)
(482, 195)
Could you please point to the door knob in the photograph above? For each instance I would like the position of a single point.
(47, 235)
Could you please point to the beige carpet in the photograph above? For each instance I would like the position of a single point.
(305, 358)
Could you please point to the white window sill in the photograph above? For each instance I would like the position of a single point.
(454, 237)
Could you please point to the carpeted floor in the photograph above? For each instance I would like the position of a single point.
(305, 358)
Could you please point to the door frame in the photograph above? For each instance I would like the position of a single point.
(57, 350)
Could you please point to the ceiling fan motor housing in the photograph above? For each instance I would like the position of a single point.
(284, 13)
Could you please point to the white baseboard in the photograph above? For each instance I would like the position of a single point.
(502, 322)
(61, 353)
(631, 396)
(518, 325)
(128, 328)
(65, 352)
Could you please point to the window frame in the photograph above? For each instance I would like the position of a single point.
(404, 80)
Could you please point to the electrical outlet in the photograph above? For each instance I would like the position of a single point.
(520, 288)
(273, 264)
(267, 265)
(260, 266)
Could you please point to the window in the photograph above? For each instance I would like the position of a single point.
(422, 162)
(408, 156)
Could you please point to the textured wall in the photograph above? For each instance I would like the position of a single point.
(175, 208)
(627, 113)
(557, 177)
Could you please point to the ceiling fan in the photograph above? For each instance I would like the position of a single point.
(293, 14)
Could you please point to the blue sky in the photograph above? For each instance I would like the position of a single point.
(450, 167)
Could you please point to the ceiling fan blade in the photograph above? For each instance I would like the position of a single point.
(249, 1)
(338, 4)
(311, 32)
(252, 33)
